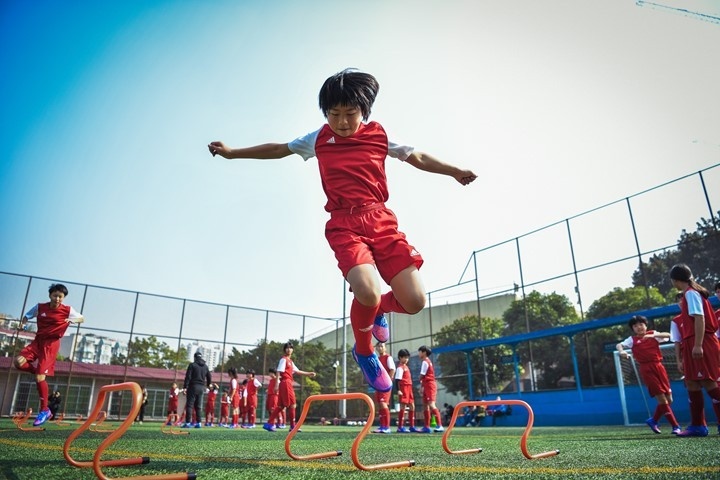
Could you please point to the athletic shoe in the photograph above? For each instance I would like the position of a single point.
(382, 430)
(414, 430)
(694, 431)
(268, 427)
(653, 425)
(402, 430)
(426, 430)
(250, 425)
(282, 426)
(380, 329)
(187, 425)
(295, 429)
(439, 429)
(373, 371)
(42, 417)
(198, 425)
(676, 430)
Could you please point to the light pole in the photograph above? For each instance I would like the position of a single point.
(335, 366)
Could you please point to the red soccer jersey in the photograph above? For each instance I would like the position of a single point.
(403, 374)
(385, 361)
(52, 322)
(271, 387)
(212, 395)
(352, 169)
(428, 378)
(687, 321)
(286, 374)
(646, 350)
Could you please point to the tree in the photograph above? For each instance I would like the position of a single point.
(551, 358)
(150, 352)
(592, 357)
(700, 250)
(454, 366)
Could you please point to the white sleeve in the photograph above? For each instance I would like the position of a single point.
(627, 343)
(74, 314)
(424, 368)
(399, 374)
(391, 363)
(257, 383)
(675, 333)
(694, 302)
(401, 152)
(305, 145)
(32, 313)
(281, 365)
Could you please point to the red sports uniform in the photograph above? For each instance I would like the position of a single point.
(173, 400)
(405, 385)
(286, 394)
(272, 398)
(692, 303)
(427, 379)
(234, 393)
(646, 352)
(388, 364)
(51, 326)
(210, 405)
(352, 171)
(224, 406)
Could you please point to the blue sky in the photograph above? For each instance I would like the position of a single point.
(107, 108)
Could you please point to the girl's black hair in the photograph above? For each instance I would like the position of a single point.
(349, 88)
(426, 350)
(232, 371)
(637, 319)
(682, 273)
(58, 287)
(403, 353)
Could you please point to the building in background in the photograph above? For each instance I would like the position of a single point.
(212, 353)
(91, 348)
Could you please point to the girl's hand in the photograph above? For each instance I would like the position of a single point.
(218, 148)
(465, 177)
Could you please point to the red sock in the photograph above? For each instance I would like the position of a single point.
(401, 416)
(274, 415)
(697, 408)
(411, 418)
(715, 396)
(385, 417)
(438, 418)
(660, 410)
(670, 417)
(426, 417)
(252, 417)
(291, 415)
(42, 388)
(362, 317)
(388, 303)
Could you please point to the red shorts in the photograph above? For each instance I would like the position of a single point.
(45, 352)
(429, 392)
(407, 394)
(252, 402)
(370, 236)
(656, 378)
(271, 403)
(707, 368)
(224, 409)
(286, 395)
(173, 405)
(236, 402)
(383, 397)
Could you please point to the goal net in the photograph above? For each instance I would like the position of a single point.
(631, 385)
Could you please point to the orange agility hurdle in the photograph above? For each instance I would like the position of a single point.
(356, 442)
(169, 426)
(60, 420)
(484, 403)
(96, 427)
(96, 463)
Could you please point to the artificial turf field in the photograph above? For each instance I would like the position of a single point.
(219, 453)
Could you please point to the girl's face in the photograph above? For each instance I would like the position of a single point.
(344, 120)
(56, 299)
(640, 329)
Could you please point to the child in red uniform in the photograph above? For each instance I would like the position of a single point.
(645, 345)
(251, 397)
(210, 404)
(383, 398)
(53, 319)
(173, 403)
(403, 380)
(271, 400)
(224, 408)
(428, 389)
(234, 397)
(362, 232)
(700, 348)
(284, 388)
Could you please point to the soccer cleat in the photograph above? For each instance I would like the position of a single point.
(402, 430)
(42, 417)
(268, 427)
(426, 430)
(676, 430)
(282, 426)
(653, 425)
(382, 430)
(380, 329)
(373, 371)
(187, 425)
(694, 431)
(414, 430)
(198, 425)
(439, 429)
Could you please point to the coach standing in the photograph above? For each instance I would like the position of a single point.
(197, 378)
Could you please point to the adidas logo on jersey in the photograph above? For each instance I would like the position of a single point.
(43, 314)
(414, 253)
(331, 140)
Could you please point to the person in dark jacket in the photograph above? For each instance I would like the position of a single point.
(197, 378)
(54, 403)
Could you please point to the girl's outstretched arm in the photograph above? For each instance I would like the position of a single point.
(428, 163)
(265, 151)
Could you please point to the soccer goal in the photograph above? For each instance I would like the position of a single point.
(629, 380)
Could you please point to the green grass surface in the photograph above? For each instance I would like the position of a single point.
(219, 453)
